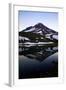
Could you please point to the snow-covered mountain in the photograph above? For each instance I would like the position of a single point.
(40, 28)
(39, 33)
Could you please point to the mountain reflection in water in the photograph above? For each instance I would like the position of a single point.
(38, 61)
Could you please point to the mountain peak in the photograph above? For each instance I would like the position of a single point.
(39, 25)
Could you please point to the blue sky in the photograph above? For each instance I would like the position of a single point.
(30, 18)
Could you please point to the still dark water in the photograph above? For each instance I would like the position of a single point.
(38, 61)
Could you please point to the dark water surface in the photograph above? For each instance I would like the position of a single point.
(37, 61)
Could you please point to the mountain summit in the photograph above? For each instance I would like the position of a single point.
(39, 25)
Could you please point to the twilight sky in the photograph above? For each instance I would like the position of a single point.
(30, 18)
